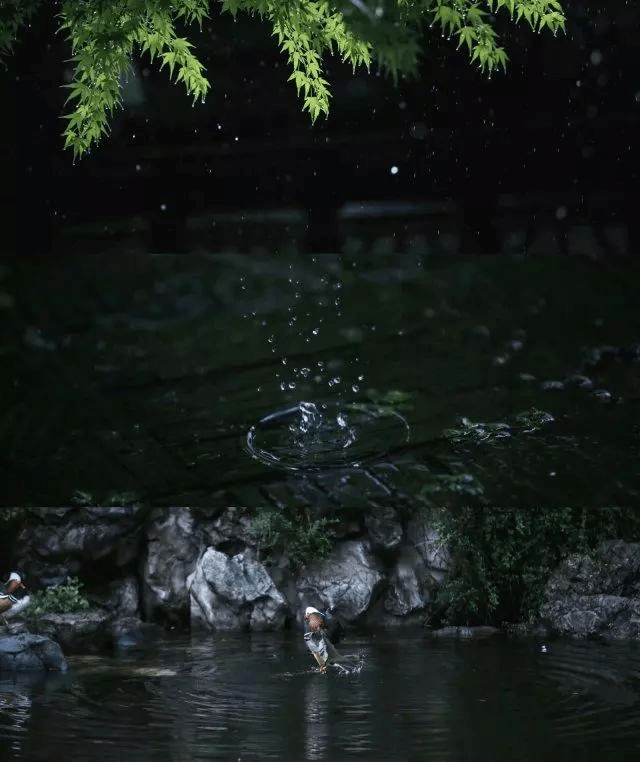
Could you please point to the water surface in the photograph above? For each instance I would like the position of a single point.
(235, 697)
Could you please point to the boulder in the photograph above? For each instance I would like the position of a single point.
(84, 629)
(410, 584)
(346, 582)
(130, 632)
(172, 549)
(596, 594)
(426, 540)
(234, 592)
(28, 652)
(125, 597)
(466, 633)
(230, 531)
(60, 541)
(383, 528)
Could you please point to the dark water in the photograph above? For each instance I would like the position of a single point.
(256, 698)
(138, 377)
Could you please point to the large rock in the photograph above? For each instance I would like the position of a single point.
(176, 538)
(596, 594)
(383, 528)
(27, 652)
(61, 541)
(173, 546)
(346, 582)
(230, 531)
(86, 629)
(426, 540)
(410, 584)
(230, 593)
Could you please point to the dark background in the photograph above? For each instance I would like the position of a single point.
(559, 128)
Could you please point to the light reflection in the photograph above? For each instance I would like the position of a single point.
(316, 718)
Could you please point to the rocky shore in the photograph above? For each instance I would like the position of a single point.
(144, 569)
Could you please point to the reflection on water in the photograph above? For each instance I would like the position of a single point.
(256, 697)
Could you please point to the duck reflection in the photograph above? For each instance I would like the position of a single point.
(316, 717)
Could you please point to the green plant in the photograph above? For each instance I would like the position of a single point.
(303, 541)
(502, 557)
(105, 35)
(59, 599)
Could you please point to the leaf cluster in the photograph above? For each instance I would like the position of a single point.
(303, 541)
(59, 599)
(504, 555)
(105, 35)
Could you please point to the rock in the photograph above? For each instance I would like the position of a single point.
(410, 584)
(61, 541)
(596, 594)
(426, 541)
(384, 529)
(229, 532)
(72, 630)
(173, 547)
(230, 593)
(28, 652)
(125, 600)
(131, 632)
(466, 633)
(346, 582)
(526, 630)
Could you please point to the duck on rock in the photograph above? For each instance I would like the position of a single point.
(16, 599)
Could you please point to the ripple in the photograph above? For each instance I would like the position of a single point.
(311, 436)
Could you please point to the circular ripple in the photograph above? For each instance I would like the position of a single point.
(312, 435)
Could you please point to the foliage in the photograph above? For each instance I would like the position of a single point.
(59, 599)
(14, 14)
(128, 497)
(303, 541)
(503, 556)
(106, 34)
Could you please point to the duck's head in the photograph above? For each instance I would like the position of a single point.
(311, 610)
(15, 580)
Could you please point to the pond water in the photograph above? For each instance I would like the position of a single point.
(257, 697)
(156, 378)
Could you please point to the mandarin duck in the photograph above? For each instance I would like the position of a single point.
(15, 600)
(322, 635)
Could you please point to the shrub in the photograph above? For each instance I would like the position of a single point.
(504, 556)
(302, 540)
(59, 599)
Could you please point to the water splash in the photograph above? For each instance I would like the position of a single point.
(313, 435)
